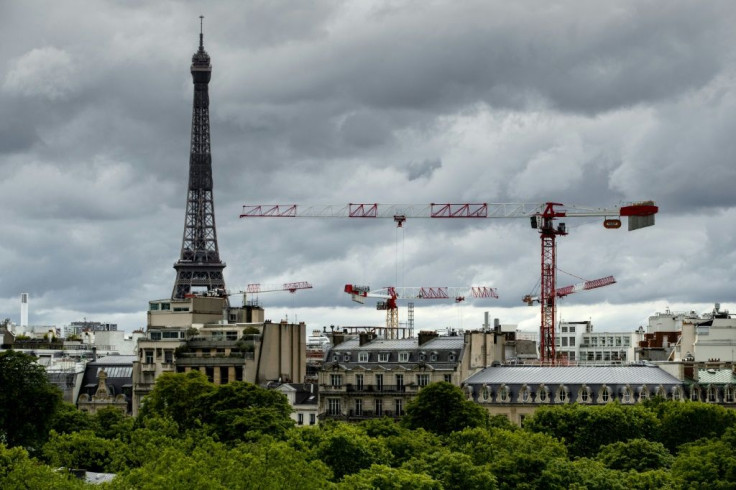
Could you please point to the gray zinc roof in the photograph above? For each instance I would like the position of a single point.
(400, 344)
(609, 375)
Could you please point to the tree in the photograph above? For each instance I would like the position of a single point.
(244, 411)
(174, 395)
(442, 408)
(84, 450)
(28, 401)
(18, 470)
(454, 470)
(387, 478)
(635, 454)
(708, 463)
(346, 450)
(689, 421)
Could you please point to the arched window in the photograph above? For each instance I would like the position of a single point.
(677, 393)
(503, 394)
(661, 392)
(643, 393)
(694, 393)
(712, 394)
(562, 394)
(605, 394)
(584, 394)
(626, 396)
(728, 394)
(542, 394)
(524, 395)
(484, 393)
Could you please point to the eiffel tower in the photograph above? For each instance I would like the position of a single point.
(199, 266)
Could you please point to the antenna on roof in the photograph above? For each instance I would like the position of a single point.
(201, 31)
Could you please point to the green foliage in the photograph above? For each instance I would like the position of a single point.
(174, 396)
(689, 421)
(84, 450)
(28, 401)
(346, 449)
(112, 423)
(244, 411)
(584, 429)
(454, 470)
(708, 463)
(442, 408)
(635, 454)
(68, 419)
(386, 478)
(18, 470)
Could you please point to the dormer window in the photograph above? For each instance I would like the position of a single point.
(383, 357)
(433, 357)
(346, 357)
(403, 357)
(363, 357)
(451, 357)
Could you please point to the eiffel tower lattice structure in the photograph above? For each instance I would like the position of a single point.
(199, 266)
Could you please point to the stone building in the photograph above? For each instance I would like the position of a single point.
(517, 391)
(366, 377)
(225, 343)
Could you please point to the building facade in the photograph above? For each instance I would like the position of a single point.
(366, 377)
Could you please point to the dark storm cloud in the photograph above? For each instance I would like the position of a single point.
(337, 102)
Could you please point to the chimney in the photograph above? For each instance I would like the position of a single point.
(337, 339)
(365, 337)
(426, 335)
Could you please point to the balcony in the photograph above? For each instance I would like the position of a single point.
(148, 367)
(217, 360)
(377, 389)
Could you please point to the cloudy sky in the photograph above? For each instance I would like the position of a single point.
(330, 102)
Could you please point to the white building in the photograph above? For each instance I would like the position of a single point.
(578, 343)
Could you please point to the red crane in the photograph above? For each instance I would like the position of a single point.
(392, 293)
(292, 287)
(542, 215)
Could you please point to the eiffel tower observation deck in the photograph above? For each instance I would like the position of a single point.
(199, 267)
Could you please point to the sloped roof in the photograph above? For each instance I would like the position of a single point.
(715, 376)
(573, 375)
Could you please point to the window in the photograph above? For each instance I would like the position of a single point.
(378, 405)
(676, 394)
(400, 382)
(399, 406)
(562, 394)
(564, 329)
(564, 341)
(149, 357)
(712, 398)
(694, 393)
(155, 335)
(171, 335)
(433, 357)
(153, 306)
(484, 392)
(379, 382)
(503, 395)
(336, 380)
(422, 356)
(168, 356)
(584, 394)
(572, 329)
(422, 379)
(403, 357)
(572, 341)
(346, 357)
(383, 357)
(542, 394)
(300, 419)
(231, 335)
(525, 395)
(358, 406)
(626, 395)
(448, 378)
(359, 382)
(572, 355)
(728, 394)
(362, 357)
(605, 395)
(312, 419)
(451, 357)
(166, 306)
(333, 406)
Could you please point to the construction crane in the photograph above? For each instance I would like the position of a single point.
(581, 286)
(391, 293)
(542, 216)
(257, 288)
